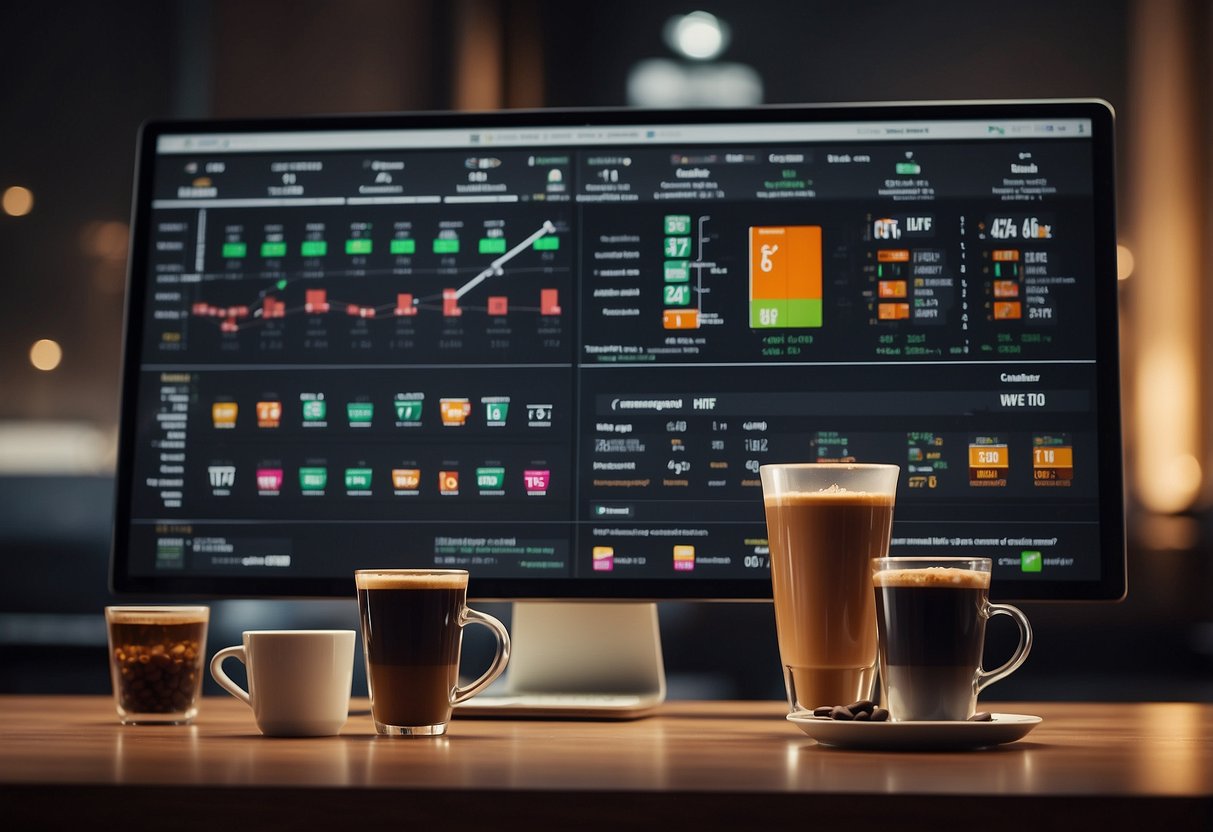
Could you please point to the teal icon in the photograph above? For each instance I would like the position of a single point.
(408, 410)
(360, 413)
(313, 479)
(314, 410)
(677, 247)
(677, 224)
(677, 271)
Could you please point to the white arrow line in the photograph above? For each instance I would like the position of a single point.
(494, 269)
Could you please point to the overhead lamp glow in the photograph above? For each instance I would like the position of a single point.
(17, 201)
(699, 35)
(45, 354)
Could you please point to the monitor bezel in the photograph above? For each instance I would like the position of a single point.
(1111, 586)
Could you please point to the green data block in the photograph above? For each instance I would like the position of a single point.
(315, 410)
(403, 246)
(408, 410)
(314, 248)
(490, 479)
(446, 245)
(273, 249)
(677, 247)
(677, 271)
(313, 479)
(677, 295)
(908, 168)
(357, 479)
(1006, 269)
(677, 224)
(1030, 561)
(361, 245)
(791, 313)
(548, 243)
(492, 245)
(233, 251)
(360, 413)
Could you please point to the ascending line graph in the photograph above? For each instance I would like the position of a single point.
(267, 306)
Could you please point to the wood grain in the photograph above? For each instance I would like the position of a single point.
(715, 764)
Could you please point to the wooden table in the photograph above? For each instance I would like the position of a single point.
(695, 766)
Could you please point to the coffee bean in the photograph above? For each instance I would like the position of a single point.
(824, 710)
(841, 712)
(862, 705)
(981, 716)
(862, 716)
(880, 715)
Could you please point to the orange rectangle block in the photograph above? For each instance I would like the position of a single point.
(1058, 457)
(1006, 289)
(891, 288)
(893, 311)
(680, 318)
(1008, 310)
(1005, 255)
(987, 456)
(893, 255)
(785, 262)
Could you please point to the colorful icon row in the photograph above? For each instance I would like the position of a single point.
(604, 558)
(454, 412)
(405, 481)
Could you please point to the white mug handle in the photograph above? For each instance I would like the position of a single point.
(223, 679)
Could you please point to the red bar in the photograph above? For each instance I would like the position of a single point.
(315, 301)
(450, 304)
(549, 302)
(404, 305)
(499, 305)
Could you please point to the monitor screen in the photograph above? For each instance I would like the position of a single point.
(554, 347)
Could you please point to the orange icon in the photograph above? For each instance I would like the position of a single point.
(407, 479)
(223, 414)
(454, 411)
(448, 482)
(269, 414)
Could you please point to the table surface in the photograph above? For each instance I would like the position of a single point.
(722, 764)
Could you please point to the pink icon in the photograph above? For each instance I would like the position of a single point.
(269, 479)
(537, 481)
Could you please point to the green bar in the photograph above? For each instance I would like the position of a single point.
(548, 243)
(314, 248)
(359, 246)
(908, 168)
(446, 245)
(403, 246)
(768, 314)
(803, 312)
(492, 245)
(235, 250)
(273, 249)
(357, 479)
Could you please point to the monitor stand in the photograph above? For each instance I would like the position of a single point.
(578, 661)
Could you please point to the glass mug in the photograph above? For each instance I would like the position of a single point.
(931, 618)
(412, 632)
(825, 523)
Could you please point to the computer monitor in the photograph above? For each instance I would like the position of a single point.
(553, 347)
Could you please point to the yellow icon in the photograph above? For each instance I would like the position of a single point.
(408, 479)
(223, 414)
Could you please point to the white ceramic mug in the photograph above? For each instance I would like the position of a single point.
(299, 680)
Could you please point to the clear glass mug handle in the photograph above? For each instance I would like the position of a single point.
(470, 616)
(984, 678)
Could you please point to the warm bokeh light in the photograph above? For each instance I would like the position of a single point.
(17, 201)
(1124, 262)
(105, 240)
(45, 354)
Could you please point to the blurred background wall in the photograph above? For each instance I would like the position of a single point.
(79, 77)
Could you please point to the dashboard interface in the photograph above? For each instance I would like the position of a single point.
(560, 351)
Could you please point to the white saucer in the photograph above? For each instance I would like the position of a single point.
(916, 736)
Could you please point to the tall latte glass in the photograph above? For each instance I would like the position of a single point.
(825, 524)
(412, 632)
